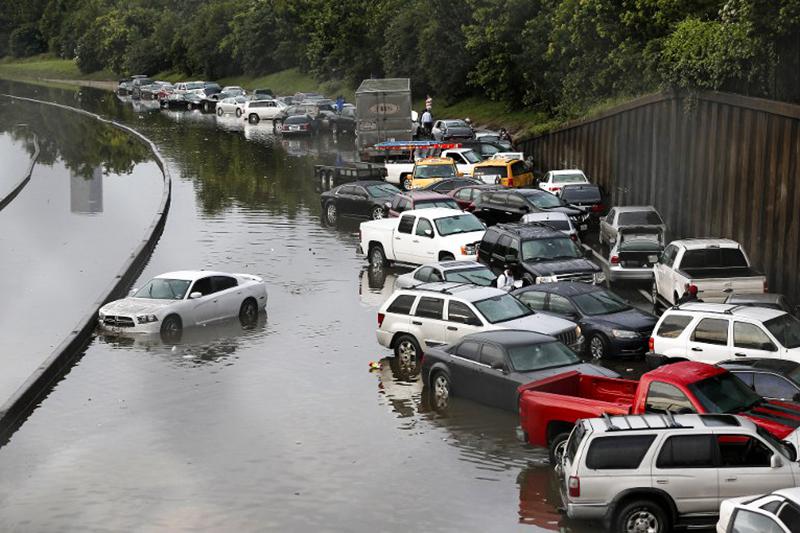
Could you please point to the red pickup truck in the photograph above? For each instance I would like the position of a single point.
(549, 408)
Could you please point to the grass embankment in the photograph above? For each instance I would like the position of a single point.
(48, 68)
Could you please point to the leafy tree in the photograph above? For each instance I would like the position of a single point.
(26, 41)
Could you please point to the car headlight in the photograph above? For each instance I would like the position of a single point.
(468, 249)
(624, 334)
(578, 332)
(599, 277)
(101, 315)
(145, 319)
(546, 279)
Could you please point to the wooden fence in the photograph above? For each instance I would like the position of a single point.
(713, 164)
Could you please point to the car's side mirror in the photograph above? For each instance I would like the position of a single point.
(195, 295)
(387, 205)
(428, 233)
(775, 461)
(498, 365)
(791, 450)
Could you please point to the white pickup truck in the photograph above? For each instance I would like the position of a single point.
(422, 236)
(717, 267)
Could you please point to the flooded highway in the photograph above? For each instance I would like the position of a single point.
(274, 426)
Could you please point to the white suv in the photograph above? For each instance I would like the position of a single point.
(777, 512)
(714, 332)
(442, 313)
(648, 472)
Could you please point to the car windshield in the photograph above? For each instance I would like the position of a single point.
(581, 195)
(569, 178)
(439, 202)
(558, 225)
(639, 218)
(724, 393)
(502, 308)
(470, 156)
(786, 329)
(549, 249)
(164, 289)
(782, 447)
(530, 357)
(383, 190)
(435, 171)
(600, 302)
(497, 171)
(458, 224)
(478, 276)
(543, 200)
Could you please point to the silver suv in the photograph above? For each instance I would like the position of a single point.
(645, 473)
(434, 314)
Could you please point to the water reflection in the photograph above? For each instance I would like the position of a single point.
(86, 193)
(375, 285)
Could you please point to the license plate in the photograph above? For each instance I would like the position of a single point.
(583, 227)
(294, 128)
(652, 258)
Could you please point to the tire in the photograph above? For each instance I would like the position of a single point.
(238, 112)
(446, 257)
(377, 257)
(220, 112)
(597, 346)
(248, 312)
(206, 107)
(556, 448)
(528, 280)
(406, 183)
(377, 213)
(644, 516)
(408, 354)
(440, 391)
(332, 214)
(171, 328)
(253, 118)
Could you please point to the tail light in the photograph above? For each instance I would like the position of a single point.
(574, 486)
(766, 286)
(381, 316)
(598, 208)
(651, 344)
(552, 189)
(614, 260)
(573, 237)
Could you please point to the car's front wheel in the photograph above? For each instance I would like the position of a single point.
(557, 447)
(440, 390)
(219, 111)
(331, 213)
(408, 183)
(377, 257)
(377, 212)
(598, 346)
(253, 118)
(248, 312)
(642, 516)
(171, 328)
(238, 112)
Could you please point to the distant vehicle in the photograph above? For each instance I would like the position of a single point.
(510, 205)
(428, 171)
(612, 327)
(136, 87)
(300, 125)
(555, 179)
(467, 196)
(446, 185)
(717, 267)
(509, 172)
(451, 130)
(124, 86)
(344, 122)
(210, 87)
(383, 108)
(650, 473)
(443, 313)
(234, 90)
(419, 199)
(767, 299)
(536, 254)
(464, 158)
(484, 149)
(232, 104)
(360, 199)
(619, 217)
(302, 97)
(774, 379)
(554, 220)
(189, 86)
(156, 90)
(421, 236)
(257, 110)
(710, 333)
(488, 367)
(455, 271)
(776, 512)
(172, 301)
(493, 137)
(589, 197)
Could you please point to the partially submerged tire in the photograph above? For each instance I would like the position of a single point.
(253, 118)
(219, 111)
(556, 448)
(440, 390)
(408, 353)
(377, 257)
(331, 213)
(171, 328)
(642, 516)
(248, 312)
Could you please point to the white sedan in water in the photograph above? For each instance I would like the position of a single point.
(169, 302)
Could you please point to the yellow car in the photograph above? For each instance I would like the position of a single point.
(430, 170)
(506, 172)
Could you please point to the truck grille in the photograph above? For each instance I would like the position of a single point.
(568, 337)
(118, 321)
(585, 277)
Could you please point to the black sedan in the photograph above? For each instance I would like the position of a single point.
(446, 185)
(511, 205)
(488, 367)
(611, 326)
(344, 122)
(360, 199)
(775, 379)
(300, 125)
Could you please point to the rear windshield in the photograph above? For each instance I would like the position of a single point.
(530, 357)
(543, 200)
(786, 330)
(639, 218)
(502, 308)
(714, 258)
(435, 171)
(300, 119)
(458, 224)
(569, 178)
(490, 171)
(613, 453)
(581, 194)
(439, 202)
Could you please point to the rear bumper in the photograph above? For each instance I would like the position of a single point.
(617, 273)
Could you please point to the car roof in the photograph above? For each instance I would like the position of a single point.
(635, 208)
(566, 171)
(685, 372)
(509, 337)
(421, 194)
(191, 275)
(764, 297)
(781, 366)
(435, 161)
(455, 265)
(624, 424)
(568, 288)
(746, 311)
(527, 231)
(499, 162)
(695, 244)
(466, 291)
(792, 493)
(459, 150)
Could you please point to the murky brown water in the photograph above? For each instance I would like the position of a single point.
(276, 427)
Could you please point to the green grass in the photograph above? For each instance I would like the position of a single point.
(47, 67)
(487, 113)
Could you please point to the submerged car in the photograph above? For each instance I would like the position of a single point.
(169, 302)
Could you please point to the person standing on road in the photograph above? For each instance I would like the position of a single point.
(339, 104)
(505, 280)
(427, 122)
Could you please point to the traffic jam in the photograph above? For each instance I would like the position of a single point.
(512, 291)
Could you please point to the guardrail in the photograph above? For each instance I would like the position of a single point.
(23, 181)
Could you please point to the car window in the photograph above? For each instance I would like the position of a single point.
(790, 516)
(487, 243)
(518, 168)
(492, 355)
(711, 331)
(668, 256)
(430, 308)
(745, 521)
(402, 304)
(502, 246)
(203, 286)
(746, 377)
(560, 305)
(687, 451)
(531, 357)
(346, 189)
(640, 218)
(469, 350)
(222, 283)
(772, 386)
(424, 228)
(609, 453)
(713, 258)
(610, 216)
(533, 299)
(663, 397)
(406, 224)
(673, 326)
(403, 204)
(515, 202)
(460, 313)
(464, 194)
(752, 337)
(423, 274)
(742, 451)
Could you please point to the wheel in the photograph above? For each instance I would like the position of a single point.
(407, 183)
(332, 214)
(440, 390)
(248, 312)
(376, 256)
(598, 346)
(219, 111)
(557, 447)
(206, 107)
(238, 112)
(641, 516)
(446, 257)
(171, 328)
(253, 118)
(377, 212)
(408, 353)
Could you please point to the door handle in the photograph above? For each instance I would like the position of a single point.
(415, 240)
(416, 323)
(452, 328)
(662, 481)
(730, 479)
(696, 349)
(397, 238)
(740, 354)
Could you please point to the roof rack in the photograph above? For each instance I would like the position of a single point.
(444, 290)
(671, 420)
(609, 424)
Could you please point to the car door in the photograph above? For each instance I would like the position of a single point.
(535, 300)
(499, 253)
(228, 294)
(708, 342)
(203, 308)
(496, 388)
(749, 340)
(745, 467)
(464, 369)
(663, 272)
(561, 306)
(362, 206)
(461, 320)
(545, 181)
(346, 200)
(516, 207)
(404, 247)
(424, 241)
(685, 468)
(429, 318)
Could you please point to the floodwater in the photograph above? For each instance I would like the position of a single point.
(280, 426)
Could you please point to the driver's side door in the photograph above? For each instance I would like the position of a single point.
(204, 308)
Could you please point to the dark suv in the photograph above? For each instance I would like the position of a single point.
(536, 254)
(511, 205)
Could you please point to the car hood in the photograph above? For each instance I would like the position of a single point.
(583, 368)
(460, 239)
(538, 323)
(133, 306)
(561, 266)
(632, 319)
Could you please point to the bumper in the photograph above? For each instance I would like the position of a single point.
(628, 347)
(384, 338)
(586, 511)
(147, 329)
(618, 273)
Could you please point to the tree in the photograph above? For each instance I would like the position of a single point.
(26, 40)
